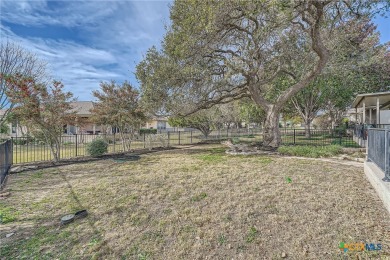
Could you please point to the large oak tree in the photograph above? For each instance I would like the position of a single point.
(219, 51)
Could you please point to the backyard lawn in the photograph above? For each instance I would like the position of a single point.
(196, 203)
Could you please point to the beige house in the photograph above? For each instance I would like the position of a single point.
(14, 129)
(159, 123)
(371, 108)
(83, 124)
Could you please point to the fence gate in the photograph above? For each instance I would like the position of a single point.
(379, 149)
(5, 159)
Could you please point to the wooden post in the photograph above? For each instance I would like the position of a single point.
(370, 121)
(356, 114)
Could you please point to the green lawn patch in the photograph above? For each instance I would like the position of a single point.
(310, 151)
(7, 214)
(346, 143)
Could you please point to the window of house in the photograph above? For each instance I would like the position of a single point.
(161, 124)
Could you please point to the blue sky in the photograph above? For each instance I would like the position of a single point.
(85, 42)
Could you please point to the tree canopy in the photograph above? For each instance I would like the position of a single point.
(118, 106)
(219, 51)
(44, 109)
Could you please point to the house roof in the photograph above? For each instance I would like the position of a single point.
(371, 99)
(82, 108)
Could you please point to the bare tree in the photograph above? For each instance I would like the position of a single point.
(14, 59)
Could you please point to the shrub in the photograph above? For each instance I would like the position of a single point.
(235, 140)
(97, 147)
(310, 151)
(23, 140)
(147, 131)
(19, 141)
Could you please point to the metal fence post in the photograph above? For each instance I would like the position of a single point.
(340, 137)
(6, 161)
(144, 140)
(294, 136)
(168, 138)
(12, 152)
(12, 145)
(191, 136)
(179, 137)
(76, 144)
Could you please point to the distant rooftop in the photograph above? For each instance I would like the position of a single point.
(82, 107)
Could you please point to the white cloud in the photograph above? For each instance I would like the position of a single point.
(111, 37)
(75, 64)
(71, 13)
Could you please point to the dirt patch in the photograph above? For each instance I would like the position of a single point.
(195, 203)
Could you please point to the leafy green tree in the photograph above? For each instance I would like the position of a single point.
(250, 112)
(220, 51)
(205, 120)
(362, 68)
(231, 114)
(45, 109)
(118, 106)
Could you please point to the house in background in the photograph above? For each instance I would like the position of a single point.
(159, 123)
(371, 108)
(14, 128)
(83, 123)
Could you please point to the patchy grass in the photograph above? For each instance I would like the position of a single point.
(179, 205)
(310, 151)
(7, 214)
(199, 197)
(252, 234)
(214, 155)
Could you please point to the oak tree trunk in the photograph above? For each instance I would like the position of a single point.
(307, 129)
(271, 132)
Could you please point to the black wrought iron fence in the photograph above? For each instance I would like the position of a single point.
(318, 137)
(5, 159)
(379, 149)
(28, 149)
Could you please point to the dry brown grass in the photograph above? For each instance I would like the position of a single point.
(194, 204)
